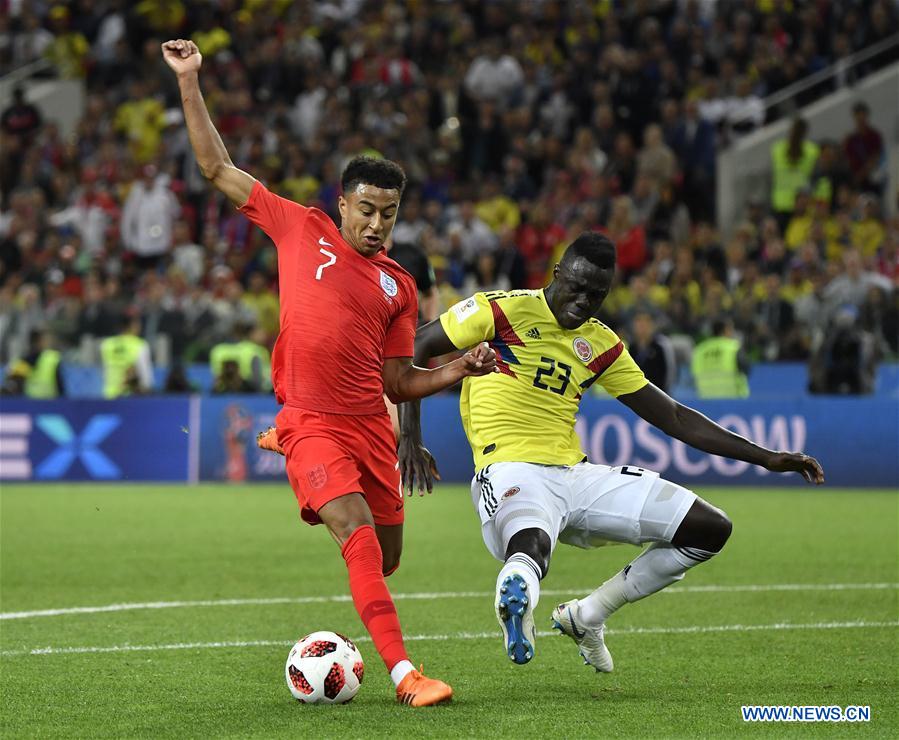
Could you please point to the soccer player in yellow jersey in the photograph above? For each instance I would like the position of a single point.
(533, 486)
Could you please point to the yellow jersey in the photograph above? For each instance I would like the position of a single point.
(526, 412)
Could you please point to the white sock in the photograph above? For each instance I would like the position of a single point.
(527, 568)
(658, 566)
(400, 671)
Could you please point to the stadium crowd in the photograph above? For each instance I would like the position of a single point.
(519, 124)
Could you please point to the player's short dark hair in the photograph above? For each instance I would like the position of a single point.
(594, 247)
(382, 173)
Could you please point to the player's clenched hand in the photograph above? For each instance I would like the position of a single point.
(182, 55)
(417, 466)
(480, 360)
(796, 462)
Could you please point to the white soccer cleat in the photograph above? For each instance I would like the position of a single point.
(590, 642)
(516, 618)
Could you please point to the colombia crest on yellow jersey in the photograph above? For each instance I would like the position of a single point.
(526, 412)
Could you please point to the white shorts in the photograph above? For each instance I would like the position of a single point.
(584, 505)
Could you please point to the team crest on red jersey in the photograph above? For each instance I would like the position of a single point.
(317, 476)
(388, 284)
(583, 349)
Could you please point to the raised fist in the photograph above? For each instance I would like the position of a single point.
(182, 55)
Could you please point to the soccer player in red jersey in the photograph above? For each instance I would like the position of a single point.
(348, 316)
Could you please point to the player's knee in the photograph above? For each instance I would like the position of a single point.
(535, 544)
(344, 515)
(715, 529)
(721, 529)
(705, 527)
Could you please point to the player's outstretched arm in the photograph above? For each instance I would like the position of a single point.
(404, 381)
(418, 467)
(185, 59)
(695, 429)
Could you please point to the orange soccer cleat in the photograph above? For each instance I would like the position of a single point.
(268, 440)
(417, 690)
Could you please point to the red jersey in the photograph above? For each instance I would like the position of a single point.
(341, 313)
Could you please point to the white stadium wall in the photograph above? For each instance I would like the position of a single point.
(744, 169)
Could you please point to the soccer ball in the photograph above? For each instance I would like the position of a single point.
(324, 668)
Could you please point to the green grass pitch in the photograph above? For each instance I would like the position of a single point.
(799, 609)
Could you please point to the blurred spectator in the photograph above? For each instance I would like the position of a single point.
(812, 309)
(877, 317)
(69, 49)
(776, 328)
(745, 110)
(91, 213)
(669, 219)
(411, 223)
(228, 379)
(536, 239)
(161, 318)
(652, 351)
(830, 174)
(656, 161)
(147, 218)
(251, 359)
(263, 302)
(127, 367)
(471, 233)
(188, 257)
(846, 361)
(177, 381)
(15, 379)
(792, 163)
(510, 264)
(693, 140)
(628, 235)
(494, 76)
(37, 374)
(851, 286)
(867, 233)
(32, 41)
(621, 167)
(414, 261)
(645, 196)
(864, 151)
(21, 119)
(141, 118)
(99, 316)
(719, 366)
(495, 208)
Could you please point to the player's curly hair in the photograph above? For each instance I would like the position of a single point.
(382, 173)
(593, 247)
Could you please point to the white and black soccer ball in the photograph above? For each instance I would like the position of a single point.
(324, 668)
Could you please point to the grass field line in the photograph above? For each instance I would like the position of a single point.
(688, 630)
(427, 596)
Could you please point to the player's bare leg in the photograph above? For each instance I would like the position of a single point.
(518, 591)
(390, 537)
(701, 534)
(349, 520)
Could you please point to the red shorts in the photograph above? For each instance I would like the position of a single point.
(331, 455)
